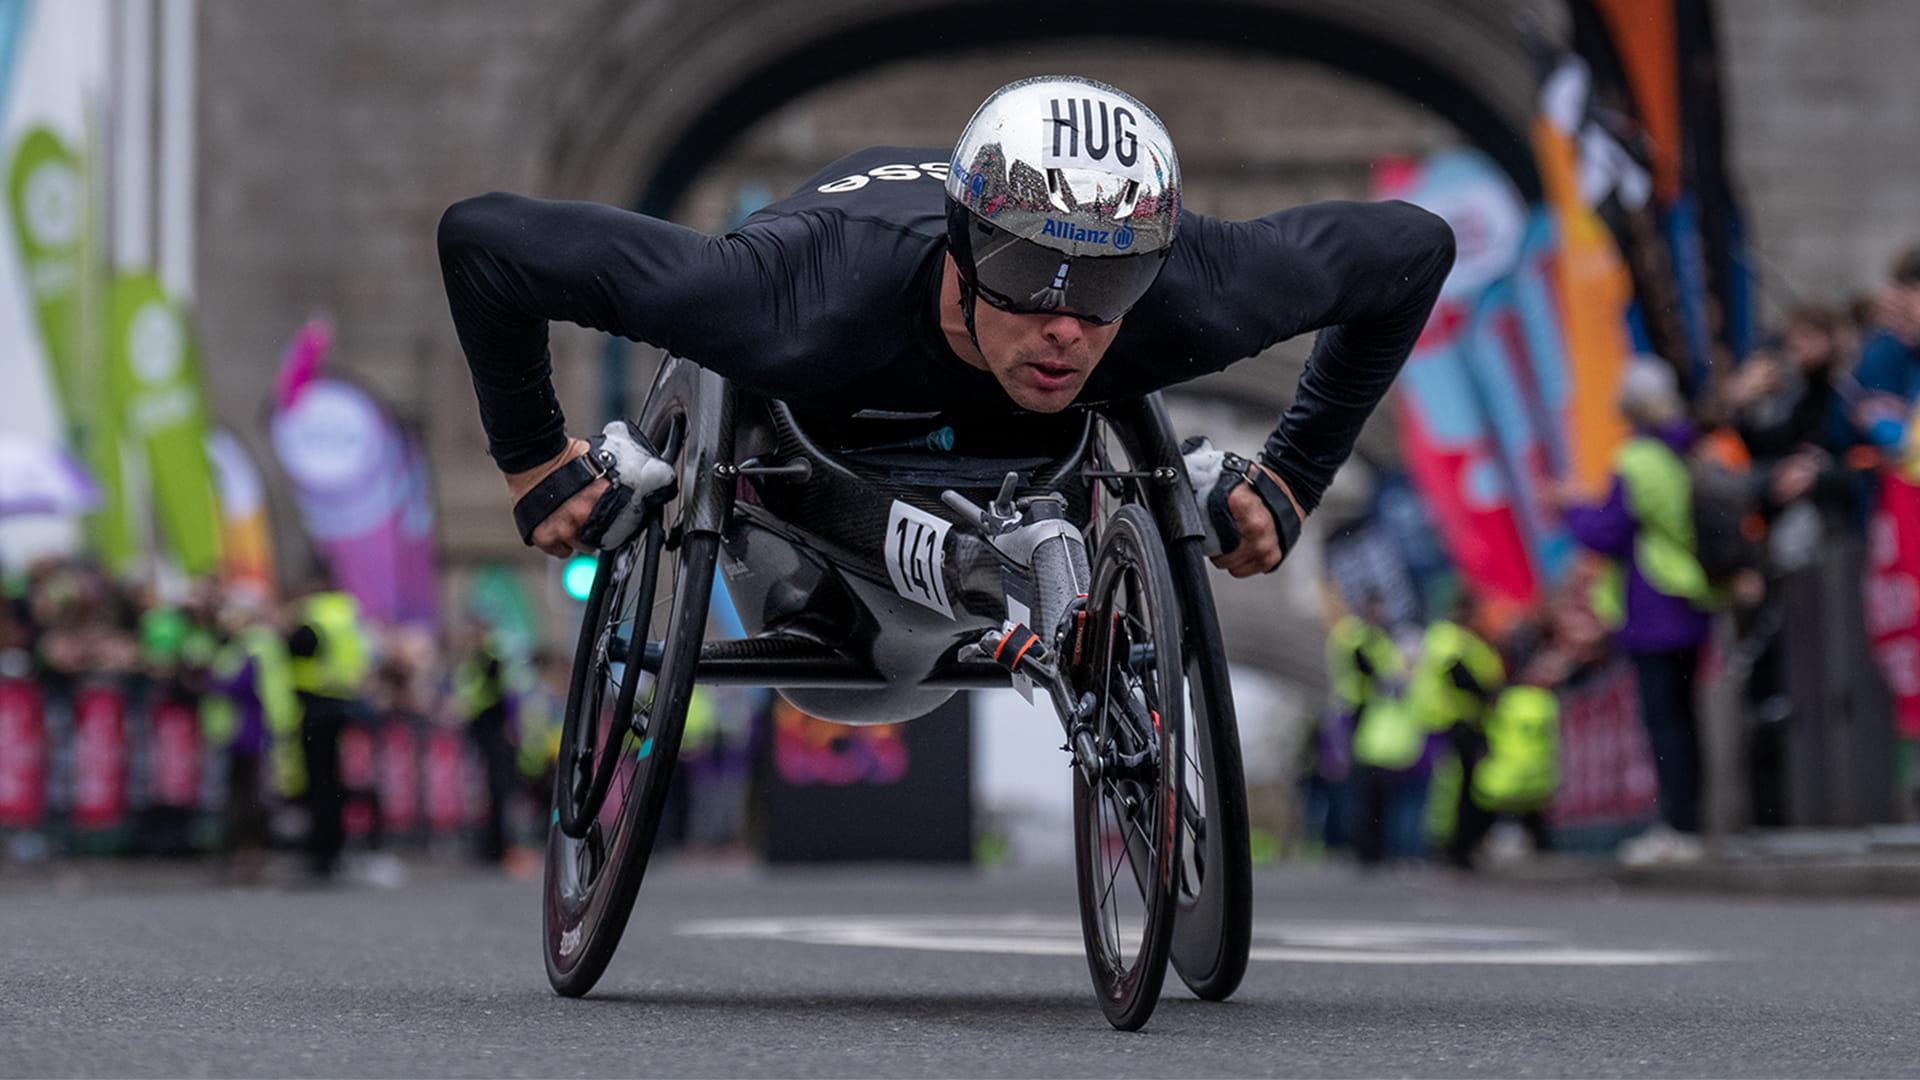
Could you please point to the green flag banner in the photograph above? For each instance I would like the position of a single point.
(46, 191)
(156, 376)
(54, 219)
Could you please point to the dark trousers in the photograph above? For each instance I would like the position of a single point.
(246, 814)
(1387, 812)
(1475, 822)
(1673, 731)
(321, 719)
(489, 734)
(1470, 822)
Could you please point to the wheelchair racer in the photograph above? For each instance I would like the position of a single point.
(1045, 262)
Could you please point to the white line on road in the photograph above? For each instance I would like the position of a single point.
(1288, 942)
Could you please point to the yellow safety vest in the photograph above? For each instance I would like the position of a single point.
(1434, 697)
(1352, 636)
(1659, 494)
(1522, 766)
(1386, 734)
(273, 684)
(539, 721)
(474, 691)
(339, 665)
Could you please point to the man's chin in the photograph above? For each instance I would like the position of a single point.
(1042, 399)
(1034, 399)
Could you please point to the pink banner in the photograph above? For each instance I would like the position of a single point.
(23, 755)
(359, 774)
(99, 758)
(173, 756)
(399, 778)
(1893, 595)
(1606, 769)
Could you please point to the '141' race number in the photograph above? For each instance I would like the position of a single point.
(916, 552)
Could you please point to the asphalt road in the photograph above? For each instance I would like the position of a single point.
(739, 972)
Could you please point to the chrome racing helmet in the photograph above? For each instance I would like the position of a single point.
(1063, 195)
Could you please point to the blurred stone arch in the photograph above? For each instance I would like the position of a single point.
(648, 94)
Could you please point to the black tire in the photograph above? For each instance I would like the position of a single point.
(1213, 932)
(1139, 712)
(592, 880)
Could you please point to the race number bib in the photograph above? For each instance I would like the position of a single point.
(916, 554)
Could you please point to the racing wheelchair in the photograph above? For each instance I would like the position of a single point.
(878, 567)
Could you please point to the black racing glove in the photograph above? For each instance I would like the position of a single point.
(638, 483)
(1213, 474)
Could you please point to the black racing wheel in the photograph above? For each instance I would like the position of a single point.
(1127, 798)
(633, 673)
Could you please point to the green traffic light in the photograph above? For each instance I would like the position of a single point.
(577, 578)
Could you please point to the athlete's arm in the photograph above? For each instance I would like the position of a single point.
(1364, 274)
(514, 264)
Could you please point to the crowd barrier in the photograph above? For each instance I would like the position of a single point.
(115, 767)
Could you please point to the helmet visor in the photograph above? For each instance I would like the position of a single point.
(1024, 278)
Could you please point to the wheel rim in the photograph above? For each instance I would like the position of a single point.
(1128, 844)
(613, 700)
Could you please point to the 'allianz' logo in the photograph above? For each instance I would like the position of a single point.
(1066, 230)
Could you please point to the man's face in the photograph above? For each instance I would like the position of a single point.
(1041, 361)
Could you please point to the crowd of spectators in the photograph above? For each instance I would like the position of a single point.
(1731, 491)
(266, 772)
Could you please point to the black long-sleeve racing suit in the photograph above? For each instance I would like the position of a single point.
(829, 299)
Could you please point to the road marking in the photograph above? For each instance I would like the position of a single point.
(1301, 941)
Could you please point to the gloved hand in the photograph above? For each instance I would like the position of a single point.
(595, 496)
(1241, 501)
(640, 483)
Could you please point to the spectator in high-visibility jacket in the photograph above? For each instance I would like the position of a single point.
(1386, 791)
(250, 713)
(1455, 680)
(1646, 523)
(328, 651)
(480, 700)
(1521, 769)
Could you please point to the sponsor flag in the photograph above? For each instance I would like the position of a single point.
(1466, 434)
(361, 484)
(246, 545)
(155, 372)
(1591, 281)
(53, 64)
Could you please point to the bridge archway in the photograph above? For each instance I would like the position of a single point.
(652, 93)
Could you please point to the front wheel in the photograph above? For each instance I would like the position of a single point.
(1128, 771)
(622, 728)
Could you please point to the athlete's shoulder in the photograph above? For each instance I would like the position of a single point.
(877, 164)
(900, 185)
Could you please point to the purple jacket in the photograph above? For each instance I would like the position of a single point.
(250, 716)
(1655, 622)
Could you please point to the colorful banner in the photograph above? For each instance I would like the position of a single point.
(1450, 432)
(1593, 285)
(1655, 72)
(173, 756)
(1892, 590)
(47, 195)
(23, 755)
(399, 781)
(152, 365)
(1606, 769)
(361, 485)
(53, 229)
(246, 546)
(99, 759)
